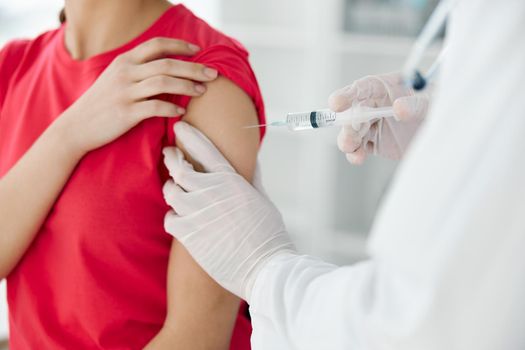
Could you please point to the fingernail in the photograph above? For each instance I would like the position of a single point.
(200, 88)
(211, 73)
(180, 110)
(194, 47)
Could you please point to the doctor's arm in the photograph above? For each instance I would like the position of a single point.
(201, 314)
(445, 261)
(435, 270)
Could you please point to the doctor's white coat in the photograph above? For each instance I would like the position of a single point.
(447, 253)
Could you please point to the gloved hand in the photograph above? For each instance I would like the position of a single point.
(386, 137)
(229, 226)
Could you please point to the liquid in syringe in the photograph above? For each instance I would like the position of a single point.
(325, 118)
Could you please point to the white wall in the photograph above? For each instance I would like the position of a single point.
(208, 10)
(27, 18)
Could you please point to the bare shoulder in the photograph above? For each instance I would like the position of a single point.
(221, 113)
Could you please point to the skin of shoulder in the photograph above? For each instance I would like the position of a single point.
(221, 115)
(197, 305)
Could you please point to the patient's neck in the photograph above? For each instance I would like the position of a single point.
(96, 26)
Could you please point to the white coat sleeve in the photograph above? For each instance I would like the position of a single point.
(446, 260)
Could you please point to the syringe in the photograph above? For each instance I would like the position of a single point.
(325, 117)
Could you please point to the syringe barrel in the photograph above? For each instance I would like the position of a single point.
(310, 120)
(325, 117)
(358, 115)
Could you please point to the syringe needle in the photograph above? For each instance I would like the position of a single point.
(254, 126)
(280, 123)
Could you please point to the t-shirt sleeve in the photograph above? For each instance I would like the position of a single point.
(232, 63)
(10, 56)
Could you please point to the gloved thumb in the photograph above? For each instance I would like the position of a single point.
(201, 149)
(409, 108)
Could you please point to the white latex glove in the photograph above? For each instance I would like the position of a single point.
(229, 226)
(386, 137)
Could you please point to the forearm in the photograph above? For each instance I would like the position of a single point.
(28, 191)
(201, 314)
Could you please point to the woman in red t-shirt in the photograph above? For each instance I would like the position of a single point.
(82, 244)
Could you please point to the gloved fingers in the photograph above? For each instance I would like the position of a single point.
(357, 157)
(181, 227)
(176, 197)
(182, 171)
(371, 87)
(350, 139)
(187, 231)
(170, 190)
(374, 133)
(171, 225)
(373, 138)
(201, 149)
(342, 99)
(372, 91)
(411, 108)
(209, 189)
(386, 88)
(363, 92)
(177, 166)
(367, 133)
(204, 216)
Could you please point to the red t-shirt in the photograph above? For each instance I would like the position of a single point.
(95, 275)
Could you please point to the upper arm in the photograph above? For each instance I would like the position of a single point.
(221, 115)
(202, 308)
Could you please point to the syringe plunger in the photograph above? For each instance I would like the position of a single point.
(325, 117)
